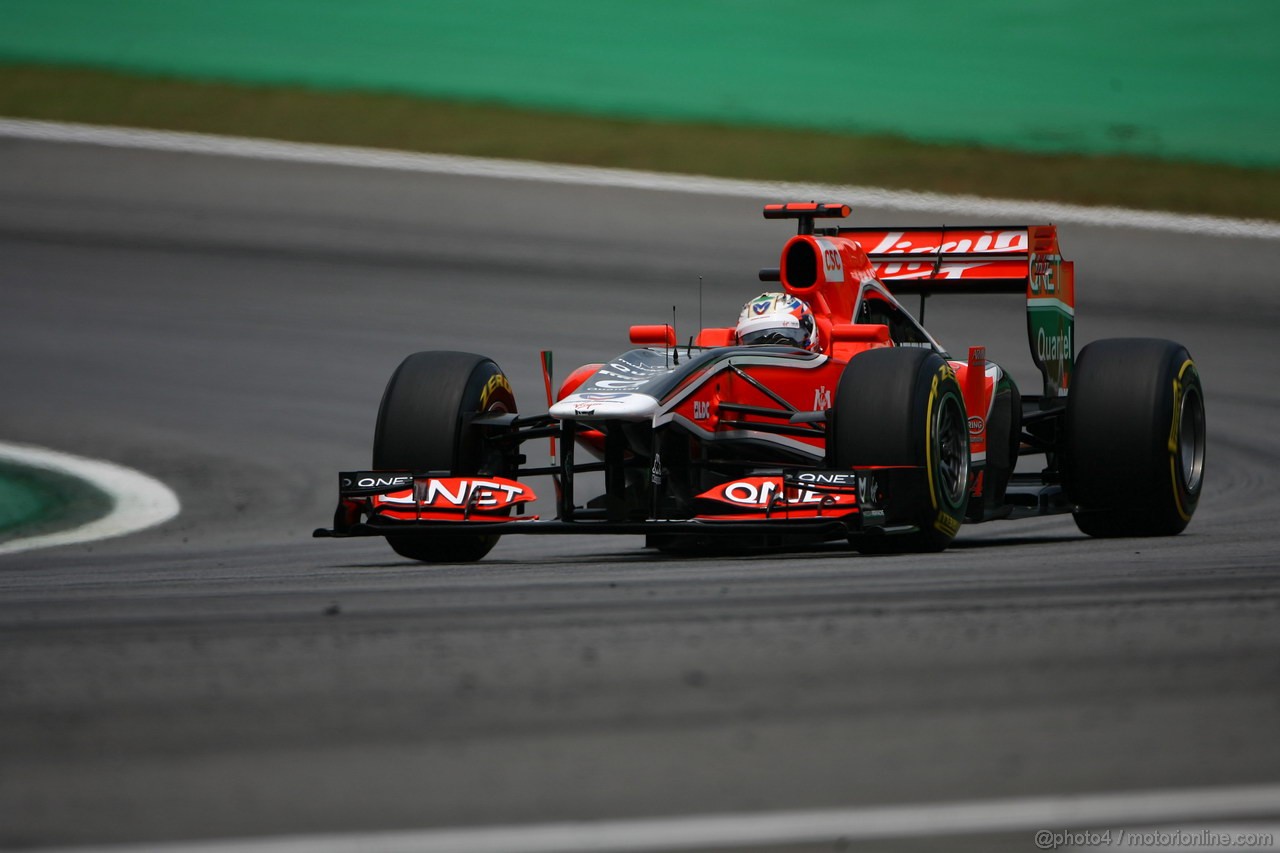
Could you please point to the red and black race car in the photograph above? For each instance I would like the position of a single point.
(839, 418)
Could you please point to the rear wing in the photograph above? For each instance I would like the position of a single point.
(987, 259)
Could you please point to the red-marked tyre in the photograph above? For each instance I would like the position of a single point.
(422, 426)
(903, 406)
(1134, 453)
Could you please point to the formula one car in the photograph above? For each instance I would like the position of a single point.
(827, 413)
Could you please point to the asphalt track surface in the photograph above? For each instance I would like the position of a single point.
(227, 326)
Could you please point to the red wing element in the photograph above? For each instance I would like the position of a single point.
(471, 499)
(991, 259)
(662, 336)
(771, 498)
(799, 209)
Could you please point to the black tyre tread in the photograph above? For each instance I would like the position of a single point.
(420, 427)
(419, 407)
(1116, 458)
(879, 380)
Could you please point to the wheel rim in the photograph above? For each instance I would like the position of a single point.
(1191, 439)
(951, 434)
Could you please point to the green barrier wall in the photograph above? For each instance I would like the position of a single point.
(1190, 80)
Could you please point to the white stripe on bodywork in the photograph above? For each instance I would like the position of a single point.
(1047, 303)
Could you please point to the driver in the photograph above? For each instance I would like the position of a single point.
(779, 319)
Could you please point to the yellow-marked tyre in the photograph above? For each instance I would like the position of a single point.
(903, 406)
(422, 426)
(1134, 452)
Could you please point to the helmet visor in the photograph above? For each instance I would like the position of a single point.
(780, 337)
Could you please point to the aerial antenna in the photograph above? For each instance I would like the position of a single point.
(675, 350)
(546, 379)
(699, 305)
(937, 261)
(937, 268)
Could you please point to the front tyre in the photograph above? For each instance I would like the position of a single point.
(423, 426)
(903, 406)
(1134, 452)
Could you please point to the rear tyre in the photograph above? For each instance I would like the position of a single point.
(1134, 451)
(422, 426)
(904, 407)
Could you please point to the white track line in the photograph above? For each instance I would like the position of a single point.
(139, 501)
(372, 158)
(734, 831)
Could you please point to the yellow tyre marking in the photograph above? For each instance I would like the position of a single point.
(1178, 384)
(497, 381)
(943, 522)
(928, 439)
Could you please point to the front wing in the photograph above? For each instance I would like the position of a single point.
(806, 503)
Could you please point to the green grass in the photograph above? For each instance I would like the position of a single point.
(37, 500)
(414, 124)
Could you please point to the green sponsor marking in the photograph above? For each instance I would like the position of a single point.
(1052, 344)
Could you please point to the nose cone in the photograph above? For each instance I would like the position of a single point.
(597, 406)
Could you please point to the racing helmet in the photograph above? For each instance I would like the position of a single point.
(777, 318)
